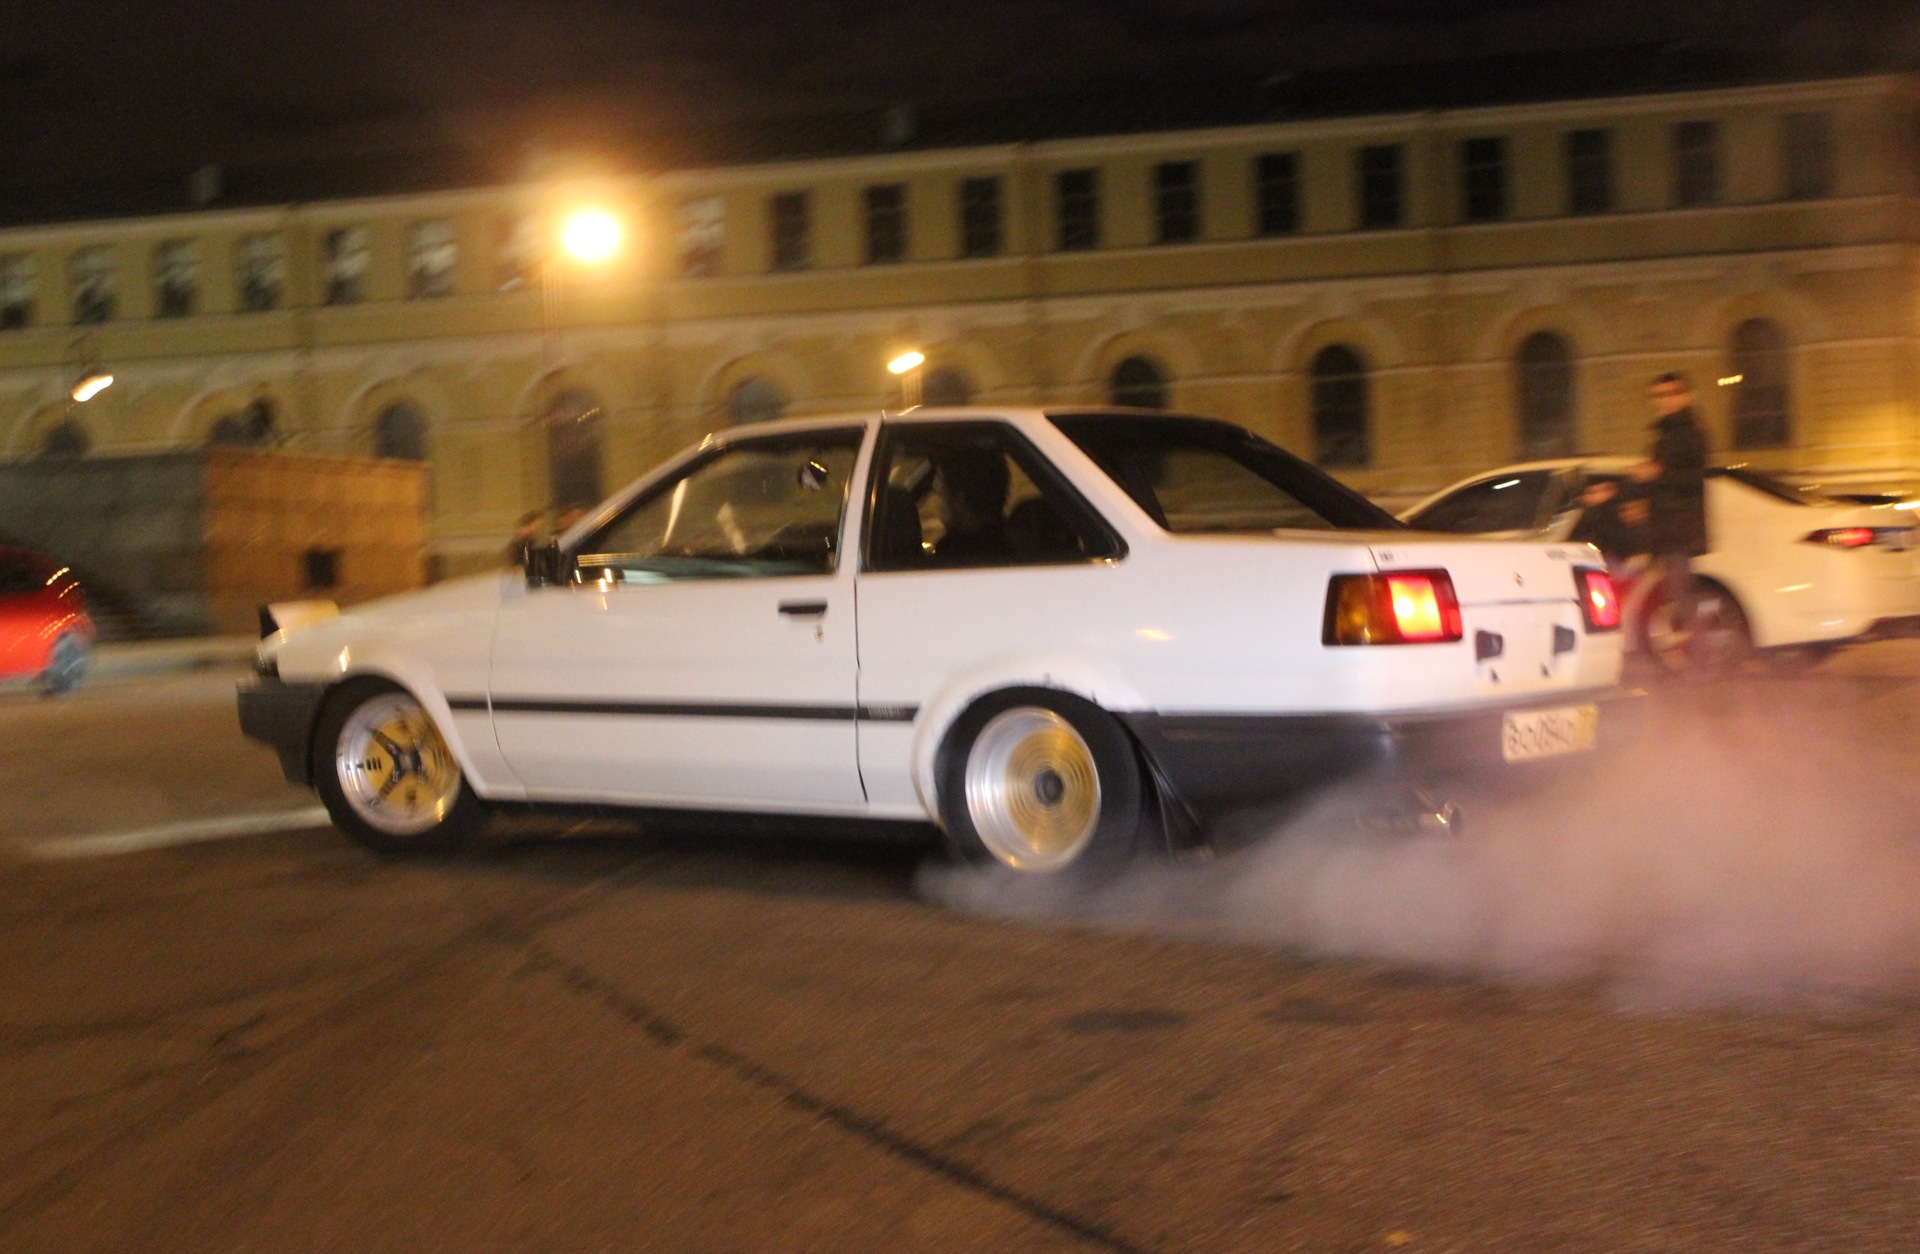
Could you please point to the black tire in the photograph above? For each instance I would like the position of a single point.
(1726, 648)
(450, 815)
(1057, 786)
(66, 664)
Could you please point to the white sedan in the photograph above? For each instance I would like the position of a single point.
(1788, 571)
(1061, 636)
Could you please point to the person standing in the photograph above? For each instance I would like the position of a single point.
(1675, 475)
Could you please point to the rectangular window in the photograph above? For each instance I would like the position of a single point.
(886, 223)
(792, 225)
(1696, 164)
(1379, 171)
(1076, 195)
(260, 271)
(1808, 142)
(703, 235)
(346, 252)
(980, 217)
(1483, 175)
(16, 291)
(433, 252)
(1589, 166)
(1277, 195)
(1176, 193)
(176, 278)
(96, 285)
(516, 260)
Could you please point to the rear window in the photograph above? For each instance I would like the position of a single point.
(1197, 476)
(1510, 502)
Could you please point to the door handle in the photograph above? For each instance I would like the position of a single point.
(803, 609)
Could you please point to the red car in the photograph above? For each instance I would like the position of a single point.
(45, 633)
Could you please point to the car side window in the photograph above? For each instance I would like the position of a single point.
(968, 495)
(754, 508)
(1502, 503)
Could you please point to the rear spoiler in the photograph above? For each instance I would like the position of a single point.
(291, 615)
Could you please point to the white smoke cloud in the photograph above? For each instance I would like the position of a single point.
(1752, 847)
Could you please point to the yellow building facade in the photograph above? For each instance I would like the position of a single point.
(1407, 298)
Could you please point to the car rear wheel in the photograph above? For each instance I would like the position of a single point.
(387, 776)
(1717, 641)
(1041, 782)
(66, 665)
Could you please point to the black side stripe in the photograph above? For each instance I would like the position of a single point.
(690, 709)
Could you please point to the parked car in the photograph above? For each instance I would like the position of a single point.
(1056, 634)
(46, 636)
(1789, 572)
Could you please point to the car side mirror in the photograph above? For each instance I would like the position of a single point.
(545, 564)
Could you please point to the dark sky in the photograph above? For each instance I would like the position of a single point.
(90, 88)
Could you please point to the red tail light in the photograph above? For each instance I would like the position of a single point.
(1843, 537)
(1599, 603)
(1404, 607)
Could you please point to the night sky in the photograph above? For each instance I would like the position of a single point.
(92, 89)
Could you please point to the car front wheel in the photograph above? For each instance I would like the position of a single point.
(387, 776)
(66, 665)
(1040, 782)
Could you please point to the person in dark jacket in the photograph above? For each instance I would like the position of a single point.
(1675, 475)
(1611, 521)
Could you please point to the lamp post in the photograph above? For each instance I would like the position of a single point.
(907, 366)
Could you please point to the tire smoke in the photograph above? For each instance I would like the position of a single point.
(1750, 846)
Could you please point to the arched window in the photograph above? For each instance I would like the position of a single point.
(1762, 409)
(1543, 394)
(67, 438)
(254, 425)
(573, 424)
(1342, 422)
(1138, 382)
(400, 431)
(947, 385)
(755, 400)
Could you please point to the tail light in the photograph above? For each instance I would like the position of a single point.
(1861, 537)
(1599, 602)
(1403, 607)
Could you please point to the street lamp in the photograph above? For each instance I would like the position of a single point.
(91, 385)
(907, 366)
(589, 236)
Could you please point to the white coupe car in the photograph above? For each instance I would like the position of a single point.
(1788, 571)
(1058, 635)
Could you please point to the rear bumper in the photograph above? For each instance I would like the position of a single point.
(1214, 762)
(282, 716)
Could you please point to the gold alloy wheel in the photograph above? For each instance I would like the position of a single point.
(1033, 790)
(394, 767)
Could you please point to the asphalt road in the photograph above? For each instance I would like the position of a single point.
(601, 1039)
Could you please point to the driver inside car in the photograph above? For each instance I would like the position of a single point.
(971, 489)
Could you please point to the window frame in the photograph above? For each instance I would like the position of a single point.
(1380, 177)
(1699, 176)
(886, 223)
(1276, 212)
(1176, 202)
(1039, 469)
(1076, 209)
(1315, 383)
(790, 231)
(1588, 174)
(1807, 165)
(706, 456)
(1484, 184)
(981, 203)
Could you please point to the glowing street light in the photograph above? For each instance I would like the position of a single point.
(91, 385)
(591, 235)
(907, 366)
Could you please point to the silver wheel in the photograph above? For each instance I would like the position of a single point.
(1032, 789)
(1716, 639)
(394, 767)
(66, 665)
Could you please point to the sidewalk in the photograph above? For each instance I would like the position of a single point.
(159, 657)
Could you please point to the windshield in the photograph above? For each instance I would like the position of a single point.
(1197, 476)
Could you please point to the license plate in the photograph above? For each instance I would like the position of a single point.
(1529, 734)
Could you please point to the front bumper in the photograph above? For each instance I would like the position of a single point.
(1215, 762)
(282, 716)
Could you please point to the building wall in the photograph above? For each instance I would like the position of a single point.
(1437, 306)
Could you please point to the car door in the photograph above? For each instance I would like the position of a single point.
(701, 651)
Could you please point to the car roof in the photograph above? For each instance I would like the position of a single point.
(953, 413)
